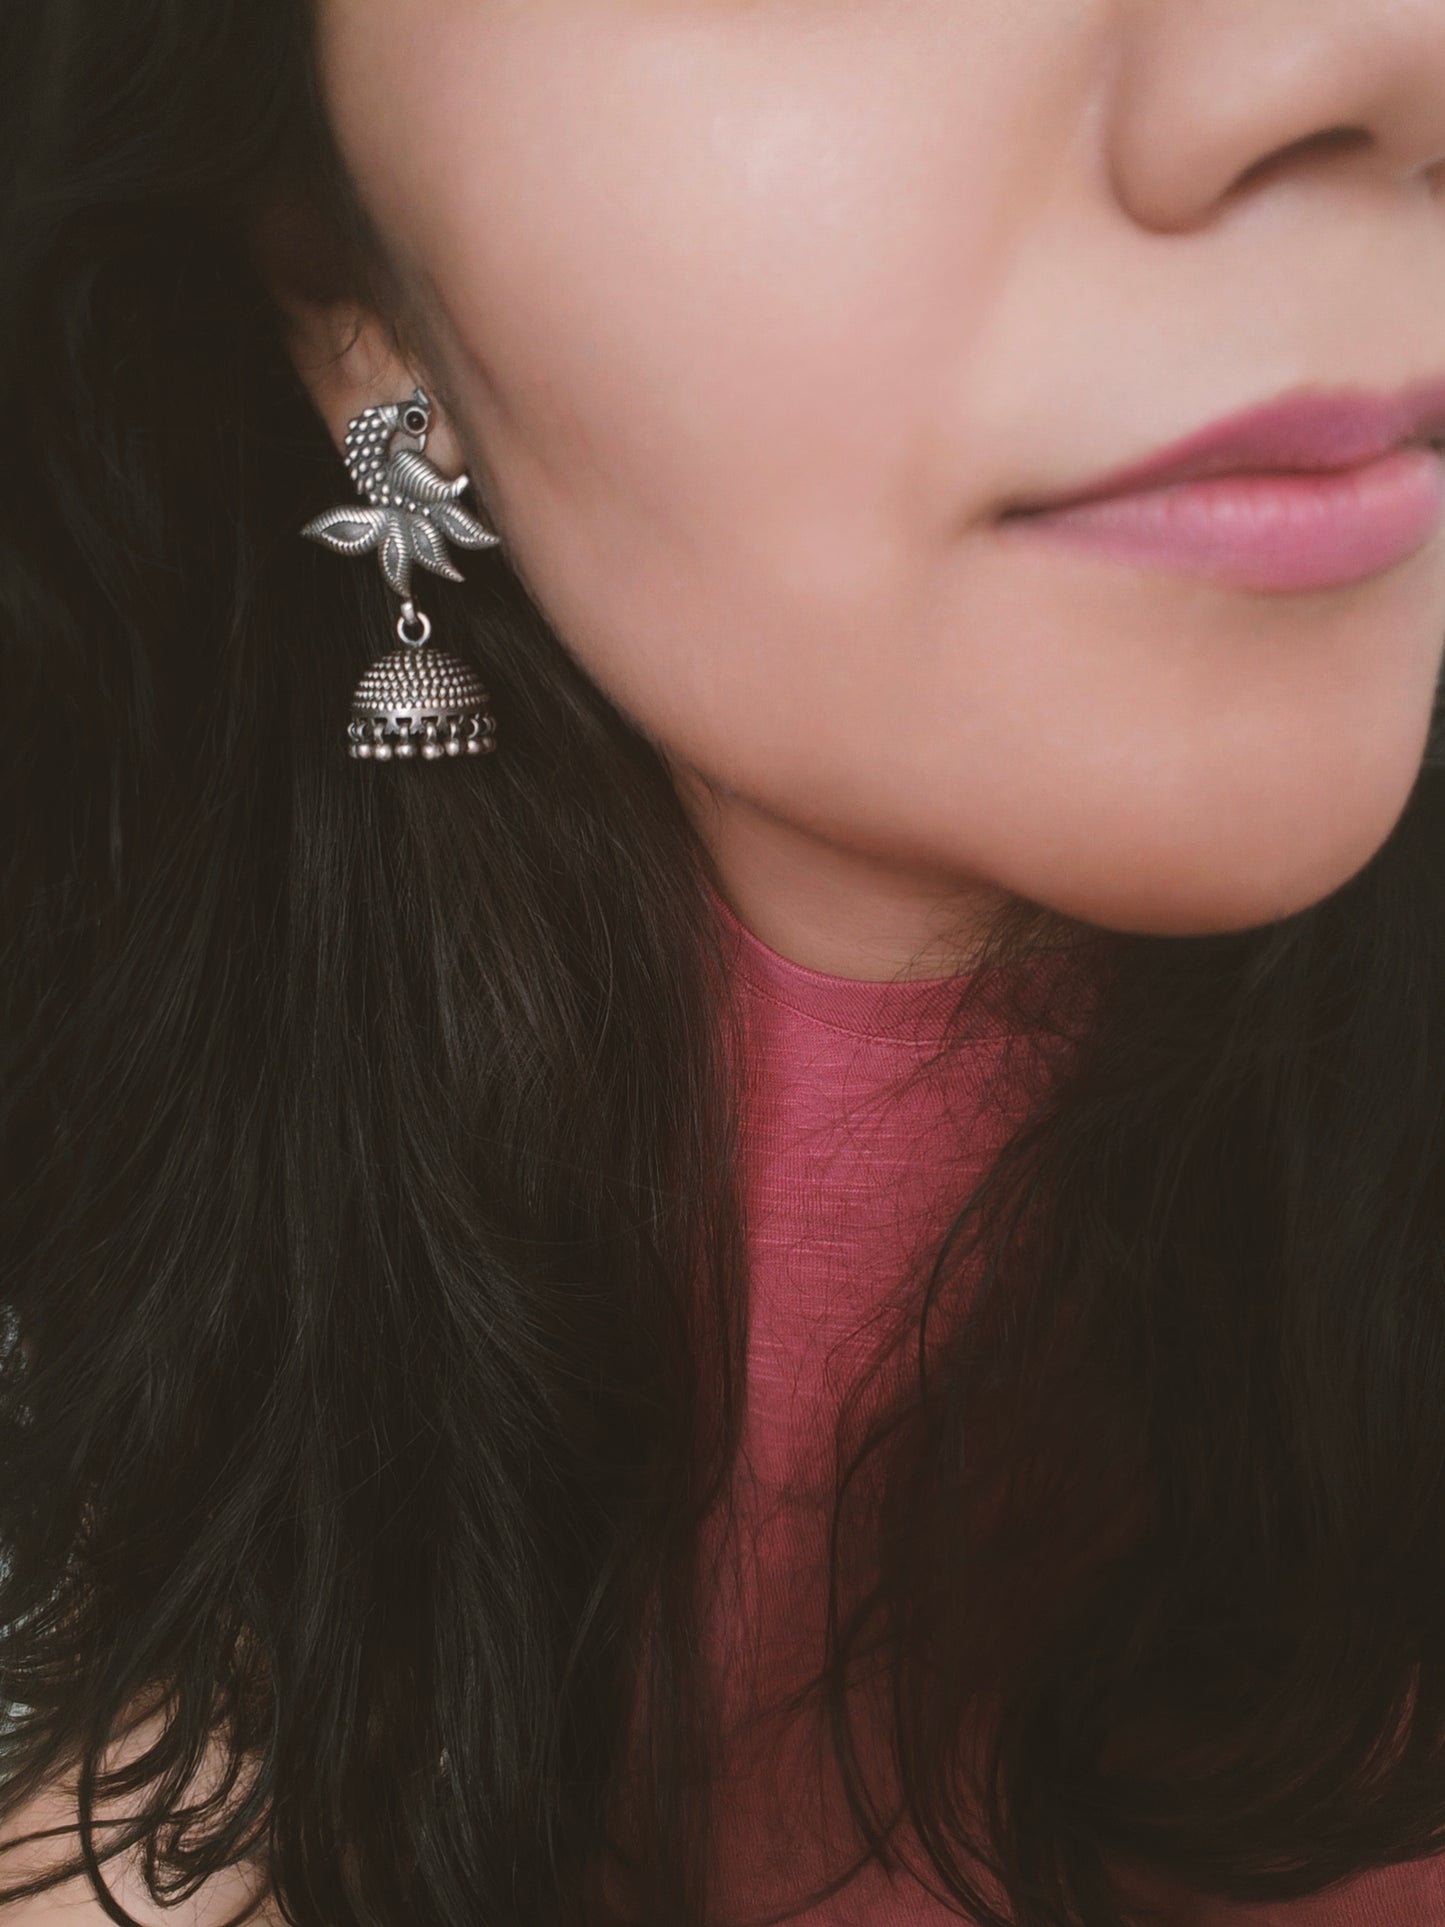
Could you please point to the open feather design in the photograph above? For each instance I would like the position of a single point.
(411, 511)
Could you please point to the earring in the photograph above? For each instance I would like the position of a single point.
(416, 698)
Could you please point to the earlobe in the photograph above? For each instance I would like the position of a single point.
(348, 361)
(348, 354)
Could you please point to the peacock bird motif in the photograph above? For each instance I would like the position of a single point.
(410, 512)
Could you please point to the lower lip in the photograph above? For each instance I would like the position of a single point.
(1280, 533)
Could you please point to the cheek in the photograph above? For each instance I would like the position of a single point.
(745, 428)
(718, 382)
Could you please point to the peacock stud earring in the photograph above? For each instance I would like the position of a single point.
(417, 700)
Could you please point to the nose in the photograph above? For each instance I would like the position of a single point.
(1212, 98)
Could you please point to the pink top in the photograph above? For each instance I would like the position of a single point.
(844, 1170)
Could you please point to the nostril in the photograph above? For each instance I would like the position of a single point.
(1328, 142)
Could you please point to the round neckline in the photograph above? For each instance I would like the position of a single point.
(903, 1010)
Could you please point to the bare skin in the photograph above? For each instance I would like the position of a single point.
(748, 316)
(748, 319)
(73, 1902)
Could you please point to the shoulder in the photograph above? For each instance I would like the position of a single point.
(73, 1902)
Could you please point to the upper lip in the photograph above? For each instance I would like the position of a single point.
(1311, 430)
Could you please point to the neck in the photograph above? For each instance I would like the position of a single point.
(833, 908)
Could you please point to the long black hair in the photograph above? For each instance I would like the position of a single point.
(373, 1267)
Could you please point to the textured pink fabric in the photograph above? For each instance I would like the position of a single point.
(846, 1171)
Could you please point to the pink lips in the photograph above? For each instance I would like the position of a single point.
(1316, 491)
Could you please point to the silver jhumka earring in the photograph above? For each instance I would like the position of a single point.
(417, 700)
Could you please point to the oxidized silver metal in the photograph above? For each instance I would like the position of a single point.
(420, 701)
(411, 511)
(417, 700)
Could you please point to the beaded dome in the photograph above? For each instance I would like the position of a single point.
(419, 701)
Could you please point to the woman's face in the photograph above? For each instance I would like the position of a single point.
(754, 316)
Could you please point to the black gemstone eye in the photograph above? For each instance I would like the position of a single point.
(415, 420)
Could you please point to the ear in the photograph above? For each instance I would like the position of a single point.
(349, 359)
